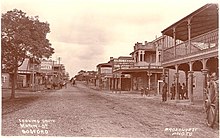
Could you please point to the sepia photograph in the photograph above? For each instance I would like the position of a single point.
(110, 68)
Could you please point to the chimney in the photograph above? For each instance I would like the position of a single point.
(145, 43)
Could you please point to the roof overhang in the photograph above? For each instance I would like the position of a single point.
(203, 20)
(104, 65)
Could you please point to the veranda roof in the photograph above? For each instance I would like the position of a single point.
(203, 20)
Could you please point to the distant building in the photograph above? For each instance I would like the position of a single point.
(58, 73)
(35, 74)
(104, 73)
(46, 69)
(89, 76)
(121, 80)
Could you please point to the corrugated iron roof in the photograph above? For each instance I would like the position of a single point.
(203, 20)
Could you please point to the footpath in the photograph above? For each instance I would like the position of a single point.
(197, 104)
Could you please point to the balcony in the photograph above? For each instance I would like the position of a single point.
(201, 45)
(148, 46)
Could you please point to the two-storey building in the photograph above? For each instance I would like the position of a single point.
(104, 74)
(191, 45)
(147, 70)
(121, 80)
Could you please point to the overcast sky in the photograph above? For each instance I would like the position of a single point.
(85, 33)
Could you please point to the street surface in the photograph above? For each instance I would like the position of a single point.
(79, 111)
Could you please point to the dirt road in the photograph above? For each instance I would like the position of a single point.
(80, 111)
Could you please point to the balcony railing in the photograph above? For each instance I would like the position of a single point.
(153, 66)
(199, 44)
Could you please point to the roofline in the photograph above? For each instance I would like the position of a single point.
(127, 57)
(101, 64)
(188, 16)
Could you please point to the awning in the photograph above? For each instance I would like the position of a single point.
(203, 20)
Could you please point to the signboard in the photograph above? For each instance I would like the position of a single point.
(46, 65)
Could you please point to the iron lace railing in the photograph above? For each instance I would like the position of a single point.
(200, 43)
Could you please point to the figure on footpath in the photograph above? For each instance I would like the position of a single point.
(164, 91)
(172, 91)
(65, 84)
(184, 91)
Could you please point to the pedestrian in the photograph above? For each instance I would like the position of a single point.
(73, 82)
(54, 85)
(60, 85)
(213, 87)
(65, 84)
(146, 91)
(184, 90)
(164, 91)
(142, 91)
(172, 91)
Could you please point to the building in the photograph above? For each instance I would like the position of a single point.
(140, 70)
(104, 75)
(191, 45)
(88, 76)
(121, 81)
(28, 75)
(59, 73)
(146, 71)
(36, 74)
(46, 69)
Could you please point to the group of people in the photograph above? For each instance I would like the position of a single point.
(59, 84)
(181, 91)
(183, 94)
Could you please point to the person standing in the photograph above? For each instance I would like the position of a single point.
(184, 90)
(65, 84)
(172, 91)
(179, 92)
(164, 91)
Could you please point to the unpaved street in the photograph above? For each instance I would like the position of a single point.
(81, 111)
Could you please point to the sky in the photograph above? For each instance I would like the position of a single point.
(85, 33)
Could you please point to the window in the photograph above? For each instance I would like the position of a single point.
(136, 57)
(141, 59)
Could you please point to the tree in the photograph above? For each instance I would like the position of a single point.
(22, 37)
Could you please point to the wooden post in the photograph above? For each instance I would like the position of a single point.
(187, 85)
(177, 83)
(191, 82)
(191, 86)
(189, 34)
(205, 72)
(174, 39)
